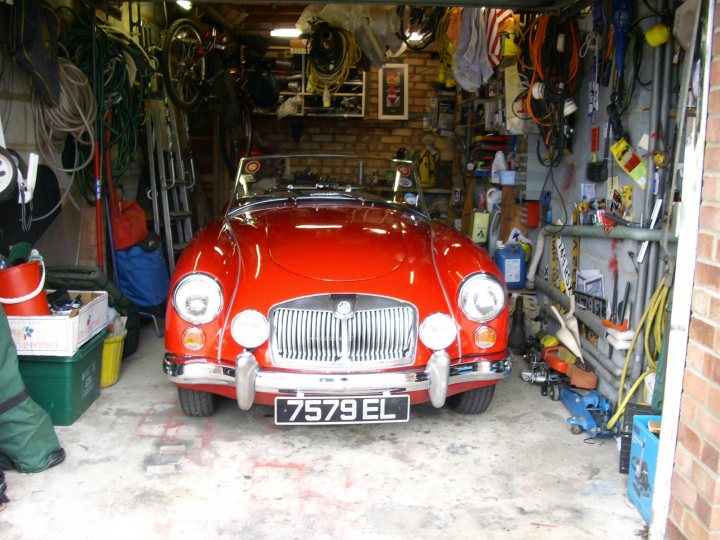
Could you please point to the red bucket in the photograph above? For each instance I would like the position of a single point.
(22, 289)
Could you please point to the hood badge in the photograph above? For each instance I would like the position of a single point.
(344, 308)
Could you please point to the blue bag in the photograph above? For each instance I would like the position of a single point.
(142, 275)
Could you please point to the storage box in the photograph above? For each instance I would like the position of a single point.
(643, 462)
(61, 335)
(631, 410)
(479, 227)
(65, 386)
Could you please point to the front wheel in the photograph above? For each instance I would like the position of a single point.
(183, 64)
(197, 403)
(473, 401)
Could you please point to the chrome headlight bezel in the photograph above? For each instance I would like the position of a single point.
(250, 328)
(482, 286)
(198, 298)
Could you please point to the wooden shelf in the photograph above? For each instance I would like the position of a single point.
(482, 100)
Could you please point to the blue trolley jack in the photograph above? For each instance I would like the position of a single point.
(589, 409)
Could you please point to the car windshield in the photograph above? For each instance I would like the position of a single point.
(278, 179)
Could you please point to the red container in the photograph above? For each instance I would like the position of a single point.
(531, 213)
(22, 289)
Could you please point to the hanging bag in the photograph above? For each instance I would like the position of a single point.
(128, 220)
(35, 28)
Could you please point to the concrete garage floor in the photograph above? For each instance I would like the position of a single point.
(138, 468)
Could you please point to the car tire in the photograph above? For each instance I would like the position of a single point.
(197, 403)
(473, 401)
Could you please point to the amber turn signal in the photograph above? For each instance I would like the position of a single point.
(193, 338)
(485, 337)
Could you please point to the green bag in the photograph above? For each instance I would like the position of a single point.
(27, 437)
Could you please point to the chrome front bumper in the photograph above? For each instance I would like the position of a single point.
(248, 378)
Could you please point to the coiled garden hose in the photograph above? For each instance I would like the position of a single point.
(654, 320)
(333, 52)
(123, 71)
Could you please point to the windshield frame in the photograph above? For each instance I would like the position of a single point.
(362, 191)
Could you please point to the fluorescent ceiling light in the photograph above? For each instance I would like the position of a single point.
(285, 32)
(185, 4)
(416, 37)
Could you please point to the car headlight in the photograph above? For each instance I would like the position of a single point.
(250, 328)
(482, 297)
(438, 331)
(198, 298)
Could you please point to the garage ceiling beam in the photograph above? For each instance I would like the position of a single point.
(550, 7)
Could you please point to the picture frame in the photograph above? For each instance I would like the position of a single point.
(393, 98)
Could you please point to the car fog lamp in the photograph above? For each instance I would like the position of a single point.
(438, 331)
(250, 329)
(482, 297)
(198, 298)
(193, 338)
(485, 337)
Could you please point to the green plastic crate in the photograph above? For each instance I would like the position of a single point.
(65, 386)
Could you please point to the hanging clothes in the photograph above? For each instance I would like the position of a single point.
(472, 68)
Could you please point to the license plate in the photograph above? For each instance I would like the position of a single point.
(344, 410)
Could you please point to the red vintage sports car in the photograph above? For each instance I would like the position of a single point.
(327, 292)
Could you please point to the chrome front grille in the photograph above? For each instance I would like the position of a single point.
(317, 333)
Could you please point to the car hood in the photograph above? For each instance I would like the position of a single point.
(344, 243)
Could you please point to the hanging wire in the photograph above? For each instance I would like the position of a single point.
(332, 52)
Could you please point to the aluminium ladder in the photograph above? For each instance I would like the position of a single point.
(170, 181)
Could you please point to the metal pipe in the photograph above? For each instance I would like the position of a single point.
(608, 365)
(655, 126)
(619, 231)
(602, 373)
(607, 390)
(604, 367)
(587, 231)
(592, 321)
(642, 289)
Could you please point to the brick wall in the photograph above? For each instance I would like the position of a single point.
(695, 497)
(366, 135)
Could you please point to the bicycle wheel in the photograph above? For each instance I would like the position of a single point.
(236, 139)
(182, 64)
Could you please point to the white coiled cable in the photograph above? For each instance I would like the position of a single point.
(74, 115)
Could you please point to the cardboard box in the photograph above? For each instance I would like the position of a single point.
(61, 335)
(643, 463)
(65, 386)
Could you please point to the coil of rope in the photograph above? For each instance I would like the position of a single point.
(332, 52)
(73, 116)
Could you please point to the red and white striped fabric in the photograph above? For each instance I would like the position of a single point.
(494, 19)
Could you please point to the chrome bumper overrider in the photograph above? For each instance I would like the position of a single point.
(248, 378)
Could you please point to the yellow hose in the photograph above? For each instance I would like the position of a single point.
(654, 316)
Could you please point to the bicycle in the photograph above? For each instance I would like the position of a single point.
(209, 67)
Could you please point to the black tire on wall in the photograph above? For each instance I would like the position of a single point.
(473, 401)
(197, 403)
(8, 176)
